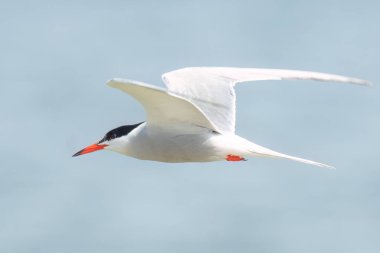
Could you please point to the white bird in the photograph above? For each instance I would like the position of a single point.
(193, 120)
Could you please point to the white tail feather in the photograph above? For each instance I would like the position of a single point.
(258, 150)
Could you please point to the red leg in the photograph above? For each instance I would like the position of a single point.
(235, 158)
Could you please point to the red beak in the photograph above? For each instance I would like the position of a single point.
(90, 149)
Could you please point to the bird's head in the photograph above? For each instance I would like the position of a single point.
(113, 140)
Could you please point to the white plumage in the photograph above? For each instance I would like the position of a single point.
(193, 120)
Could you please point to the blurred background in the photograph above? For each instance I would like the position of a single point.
(55, 59)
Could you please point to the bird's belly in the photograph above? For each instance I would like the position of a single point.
(179, 149)
(176, 148)
(179, 145)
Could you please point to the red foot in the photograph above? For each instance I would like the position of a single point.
(235, 158)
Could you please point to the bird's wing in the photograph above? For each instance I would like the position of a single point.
(162, 107)
(211, 89)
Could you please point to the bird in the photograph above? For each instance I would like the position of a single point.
(193, 118)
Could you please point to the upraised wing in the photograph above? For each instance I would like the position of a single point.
(211, 89)
(162, 107)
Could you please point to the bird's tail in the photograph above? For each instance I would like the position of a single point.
(257, 150)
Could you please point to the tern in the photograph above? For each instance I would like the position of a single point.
(193, 120)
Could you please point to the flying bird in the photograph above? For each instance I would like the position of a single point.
(193, 119)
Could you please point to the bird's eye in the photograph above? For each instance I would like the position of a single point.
(110, 136)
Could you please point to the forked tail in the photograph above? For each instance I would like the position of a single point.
(257, 150)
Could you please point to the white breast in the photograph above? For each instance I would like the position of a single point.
(178, 143)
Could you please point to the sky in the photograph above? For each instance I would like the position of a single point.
(55, 59)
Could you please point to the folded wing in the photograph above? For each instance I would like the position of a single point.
(211, 89)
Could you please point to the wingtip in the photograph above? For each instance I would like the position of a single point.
(369, 84)
(363, 82)
(112, 82)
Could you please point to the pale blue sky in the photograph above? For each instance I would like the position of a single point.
(55, 60)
